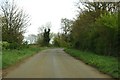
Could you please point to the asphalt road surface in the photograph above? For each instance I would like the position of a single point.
(54, 63)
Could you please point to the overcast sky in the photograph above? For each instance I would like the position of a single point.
(43, 11)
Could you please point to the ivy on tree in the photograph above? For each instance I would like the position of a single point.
(46, 38)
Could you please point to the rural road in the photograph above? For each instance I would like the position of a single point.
(54, 63)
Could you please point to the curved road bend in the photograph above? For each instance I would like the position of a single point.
(54, 63)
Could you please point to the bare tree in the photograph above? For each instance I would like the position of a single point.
(111, 7)
(14, 22)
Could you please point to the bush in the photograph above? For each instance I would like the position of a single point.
(106, 28)
(25, 45)
(5, 45)
(14, 45)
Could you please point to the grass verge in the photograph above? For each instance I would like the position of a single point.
(0, 60)
(11, 57)
(105, 64)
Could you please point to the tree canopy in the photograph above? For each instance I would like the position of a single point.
(94, 29)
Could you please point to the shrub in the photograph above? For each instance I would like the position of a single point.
(5, 45)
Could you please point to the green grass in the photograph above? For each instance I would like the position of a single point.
(106, 64)
(0, 60)
(11, 57)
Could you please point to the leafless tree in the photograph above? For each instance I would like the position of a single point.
(14, 22)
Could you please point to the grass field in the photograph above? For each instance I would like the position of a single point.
(106, 64)
(11, 57)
